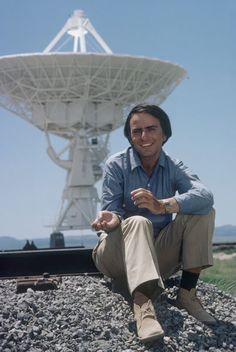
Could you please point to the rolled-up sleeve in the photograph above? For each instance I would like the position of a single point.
(193, 196)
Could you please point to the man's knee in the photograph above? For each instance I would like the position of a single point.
(198, 220)
(138, 218)
(135, 223)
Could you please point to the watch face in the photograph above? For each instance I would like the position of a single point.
(167, 206)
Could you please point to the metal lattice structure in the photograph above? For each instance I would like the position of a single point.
(81, 96)
(34, 85)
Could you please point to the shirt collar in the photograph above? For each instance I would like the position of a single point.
(136, 162)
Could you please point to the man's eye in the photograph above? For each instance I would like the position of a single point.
(148, 129)
(137, 131)
(152, 128)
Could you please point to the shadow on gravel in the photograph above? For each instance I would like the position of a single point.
(218, 338)
(183, 332)
(223, 326)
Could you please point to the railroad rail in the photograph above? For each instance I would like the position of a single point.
(224, 245)
(54, 261)
(60, 262)
(42, 269)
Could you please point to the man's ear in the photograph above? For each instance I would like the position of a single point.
(164, 138)
(130, 140)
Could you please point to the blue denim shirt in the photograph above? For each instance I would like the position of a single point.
(123, 173)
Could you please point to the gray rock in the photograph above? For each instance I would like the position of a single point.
(84, 315)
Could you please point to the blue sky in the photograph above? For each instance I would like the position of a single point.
(199, 35)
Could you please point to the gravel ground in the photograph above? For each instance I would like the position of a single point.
(84, 315)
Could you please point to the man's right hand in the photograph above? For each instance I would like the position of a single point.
(105, 221)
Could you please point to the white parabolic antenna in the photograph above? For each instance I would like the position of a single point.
(80, 96)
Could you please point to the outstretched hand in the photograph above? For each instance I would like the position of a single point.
(105, 221)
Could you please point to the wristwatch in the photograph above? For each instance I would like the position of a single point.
(167, 207)
(119, 217)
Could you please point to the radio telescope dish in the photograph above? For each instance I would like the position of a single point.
(80, 96)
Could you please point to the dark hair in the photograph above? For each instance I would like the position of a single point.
(153, 110)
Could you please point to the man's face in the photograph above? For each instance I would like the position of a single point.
(147, 135)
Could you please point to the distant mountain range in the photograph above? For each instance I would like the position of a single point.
(225, 230)
(225, 233)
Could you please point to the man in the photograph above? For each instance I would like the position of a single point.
(140, 243)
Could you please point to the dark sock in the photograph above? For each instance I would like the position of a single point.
(189, 280)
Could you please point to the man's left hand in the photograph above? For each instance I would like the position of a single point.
(143, 198)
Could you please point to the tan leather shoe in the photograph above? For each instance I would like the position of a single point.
(187, 300)
(148, 328)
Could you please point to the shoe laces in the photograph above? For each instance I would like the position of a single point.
(147, 310)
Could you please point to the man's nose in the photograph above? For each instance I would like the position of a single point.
(144, 134)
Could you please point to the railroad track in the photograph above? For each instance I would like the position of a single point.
(42, 269)
(64, 261)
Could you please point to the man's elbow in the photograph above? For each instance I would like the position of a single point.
(210, 199)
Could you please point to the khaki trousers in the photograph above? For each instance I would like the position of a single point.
(132, 255)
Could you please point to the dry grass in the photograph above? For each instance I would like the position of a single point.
(222, 274)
